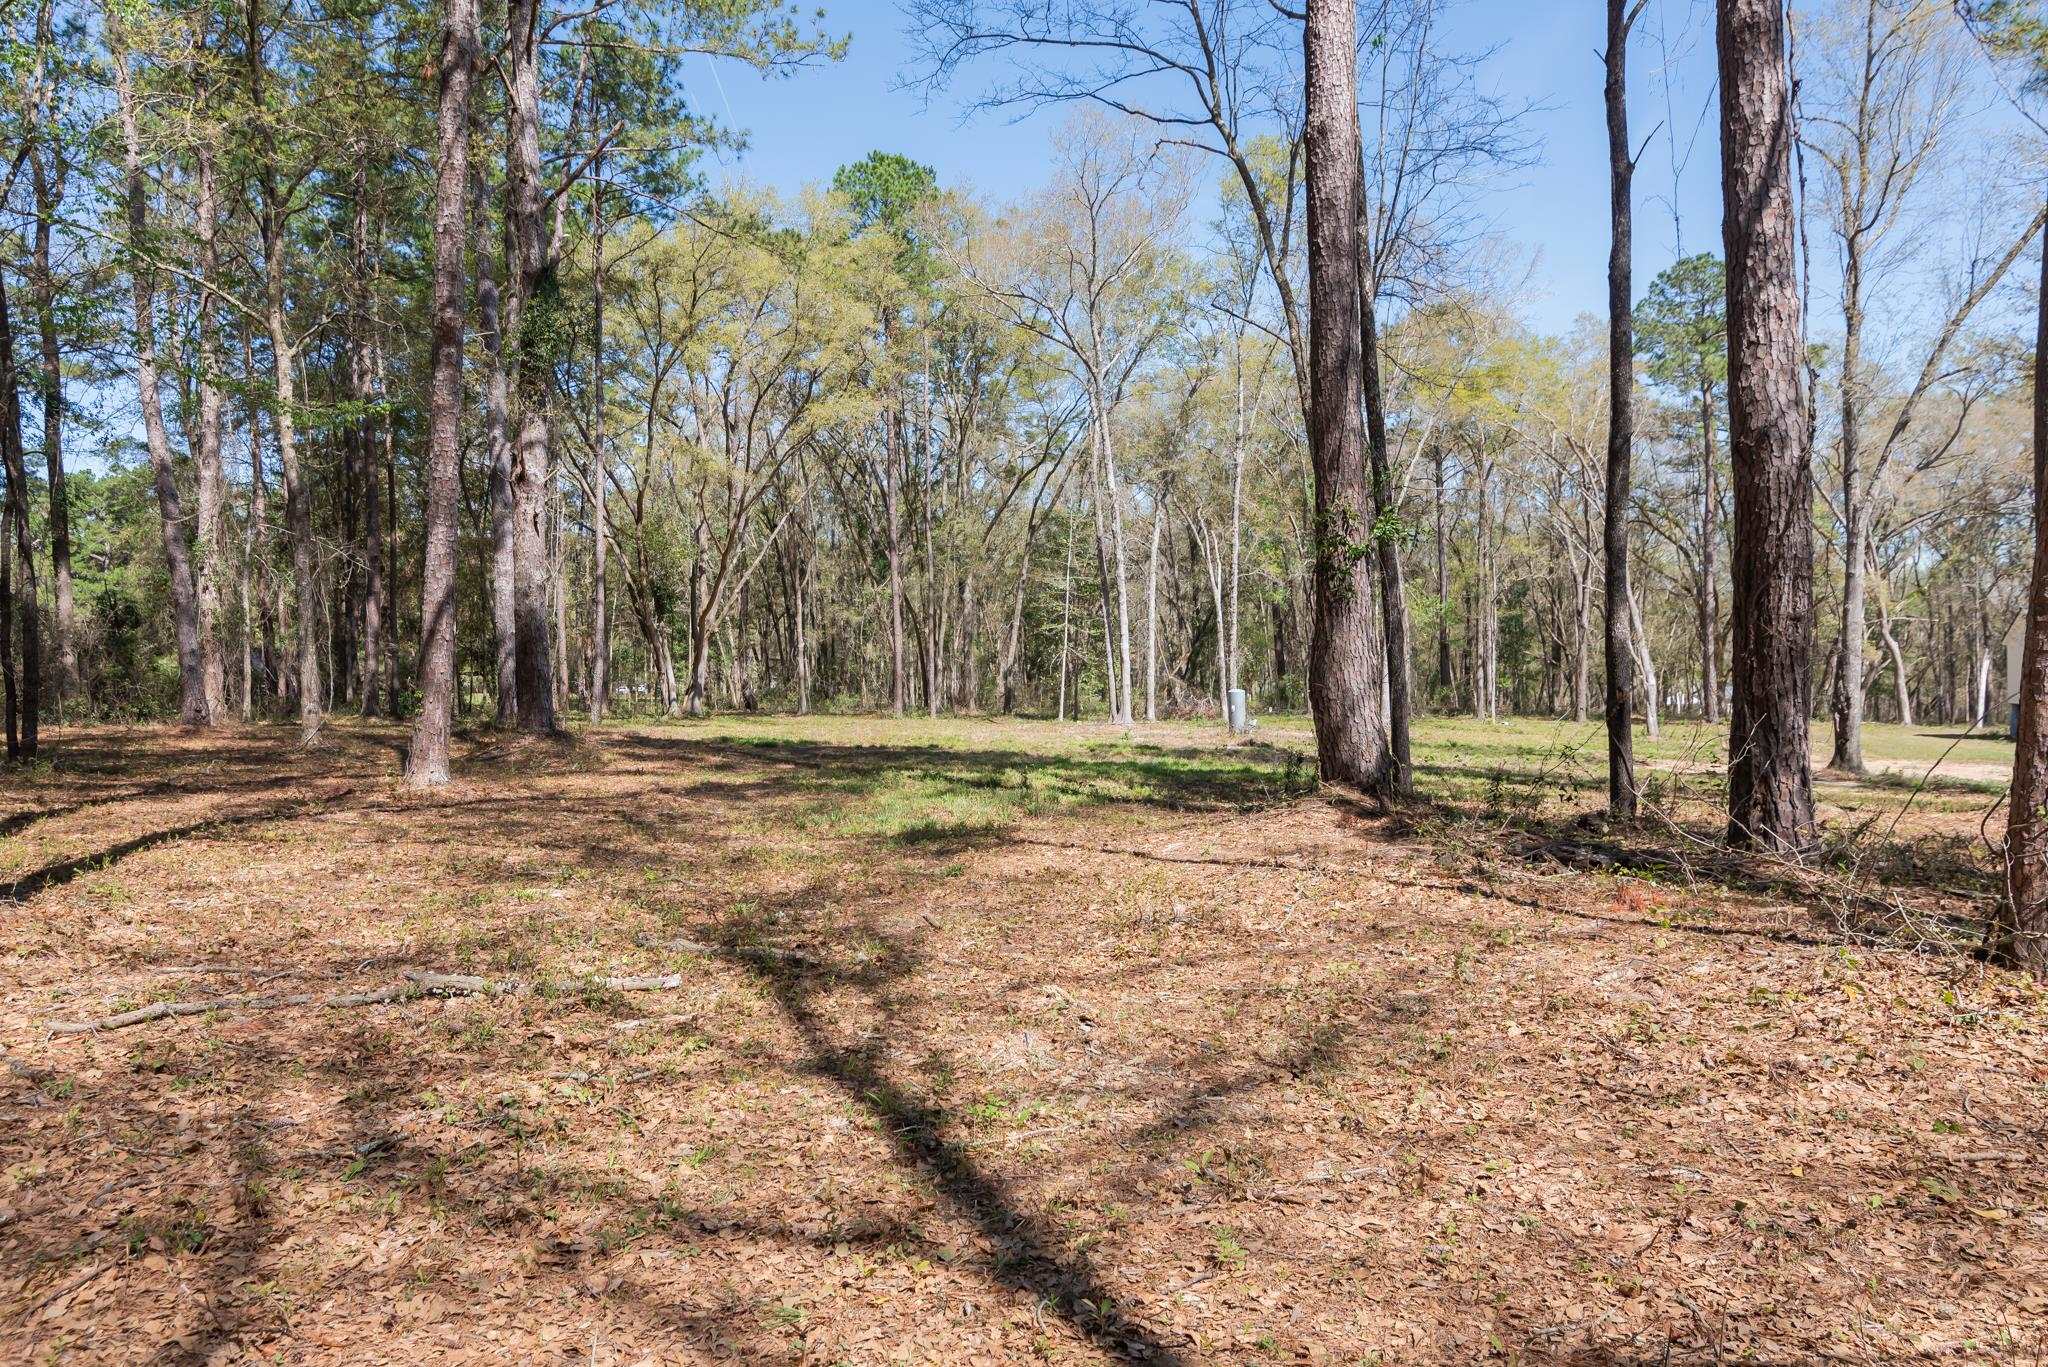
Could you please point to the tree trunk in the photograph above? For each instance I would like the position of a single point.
(1386, 515)
(2019, 931)
(427, 762)
(1111, 490)
(533, 318)
(1446, 684)
(370, 546)
(298, 509)
(1770, 778)
(1621, 383)
(12, 457)
(256, 536)
(1848, 698)
(1710, 538)
(177, 553)
(1641, 643)
(600, 621)
(211, 480)
(498, 443)
(1344, 652)
(48, 175)
(1898, 657)
(1152, 618)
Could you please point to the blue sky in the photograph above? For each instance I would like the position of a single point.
(1543, 52)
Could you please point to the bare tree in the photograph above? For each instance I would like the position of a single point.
(1880, 117)
(1091, 275)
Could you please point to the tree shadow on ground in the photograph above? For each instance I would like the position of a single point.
(29, 885)
(1027, 1256)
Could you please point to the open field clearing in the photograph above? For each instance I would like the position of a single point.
(978, 1042)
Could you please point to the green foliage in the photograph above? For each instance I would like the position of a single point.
(1682, 325)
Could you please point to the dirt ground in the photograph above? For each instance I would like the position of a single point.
(983, 1047)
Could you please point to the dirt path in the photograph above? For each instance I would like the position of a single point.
(1187, 1082)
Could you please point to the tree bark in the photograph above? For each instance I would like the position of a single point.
(1710, 538)
(1641, 642)
(12, 456)
(1345, 657)
(600, 620)
(427, 762)
(1848, 699)
(206, 449)
(1770, 773)
(1621, 382)
(498, 442)
(533, 319)
(1152, 618)
(2019, 931)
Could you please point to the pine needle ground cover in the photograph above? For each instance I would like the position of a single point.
(844, 1040)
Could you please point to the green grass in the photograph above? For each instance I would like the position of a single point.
(916, 780)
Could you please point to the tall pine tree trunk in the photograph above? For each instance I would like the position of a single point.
(427, 764)
(2019, 932)
(1770, 773)
(11, 455)
(1345, 662)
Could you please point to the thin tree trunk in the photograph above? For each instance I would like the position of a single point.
(256, 538)
(1386, 515)
(1640, 641)
(427, 762)
(12, 456)
(1152, 620)
(48, 175)
(600, 621)
(498, 443)
(1445, 682)
(1849, 687)
(1621, 381)
(298, 509)
(1898, 657)
(1770, 778)
(177, 552)
(211, 480)
(1709, 585)
(1066, 617)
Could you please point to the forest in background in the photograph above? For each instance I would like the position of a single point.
(886, 444)
(606, 762)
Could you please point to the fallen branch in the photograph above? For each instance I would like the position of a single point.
(418, 983)
(421, 983)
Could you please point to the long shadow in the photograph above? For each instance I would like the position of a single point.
(1027, 1259)
(38, 881)
(20, 821)
(1224, 779)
